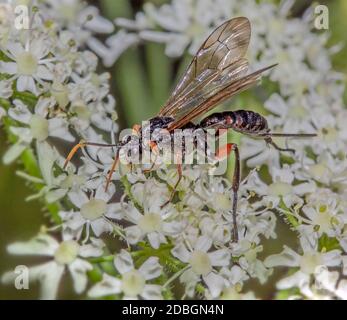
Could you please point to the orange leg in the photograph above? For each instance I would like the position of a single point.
(136, 130)
(79, 145)
(113, 169)
(224, 151)
(83, 144)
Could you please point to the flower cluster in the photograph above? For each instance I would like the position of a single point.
(52, 95)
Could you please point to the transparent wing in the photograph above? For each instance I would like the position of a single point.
(218, 62)
(203, 92)
(205, 104)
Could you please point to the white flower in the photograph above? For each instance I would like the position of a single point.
(155, 223)
(325, 169)
(56, 187)
(308, 263)
(235, 275)
(294, 114)
(219, 193)
(247, 252)
(332, 133)
(215, 227)
(75, 15)
(114, 46)
(256, 221)
(133, 283)
(38, 126)
(66, 255)
(30, 64)
(7, 18)
(233, 281)
(91, 103)
(184, 23)
(256, 152)
(323, 217)
(328, 284)
(6, 89)
(281, 188)
(94, 212)
(202, 263)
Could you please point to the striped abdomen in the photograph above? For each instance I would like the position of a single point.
(243, 121)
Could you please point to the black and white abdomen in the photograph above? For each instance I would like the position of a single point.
(249, 122)
(244, 121)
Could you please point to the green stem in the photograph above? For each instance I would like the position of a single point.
(159, 74)
(101, 259)
(5, 103)
(129, 74)
(29, 177)
(175, 276)
(127, 188)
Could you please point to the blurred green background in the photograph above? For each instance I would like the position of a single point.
(140, 76)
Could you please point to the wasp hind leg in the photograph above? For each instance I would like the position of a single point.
(225, 151)
(235, 187)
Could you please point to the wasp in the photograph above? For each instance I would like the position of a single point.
(218, 71)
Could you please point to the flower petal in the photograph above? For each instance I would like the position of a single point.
(93, 249)
(220, 258)
(41, 245)
(151, 268)
(203, 244)
(13, 153)
(133, 234)
(123, 262)
(99, 226)
(107, 286)
(152, 292)
(181, 252)
(215, 283)
(287, 257)
(78, 270)
(8, 67)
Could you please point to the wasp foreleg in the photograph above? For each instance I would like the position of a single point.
(83, 144)
(113, 169)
